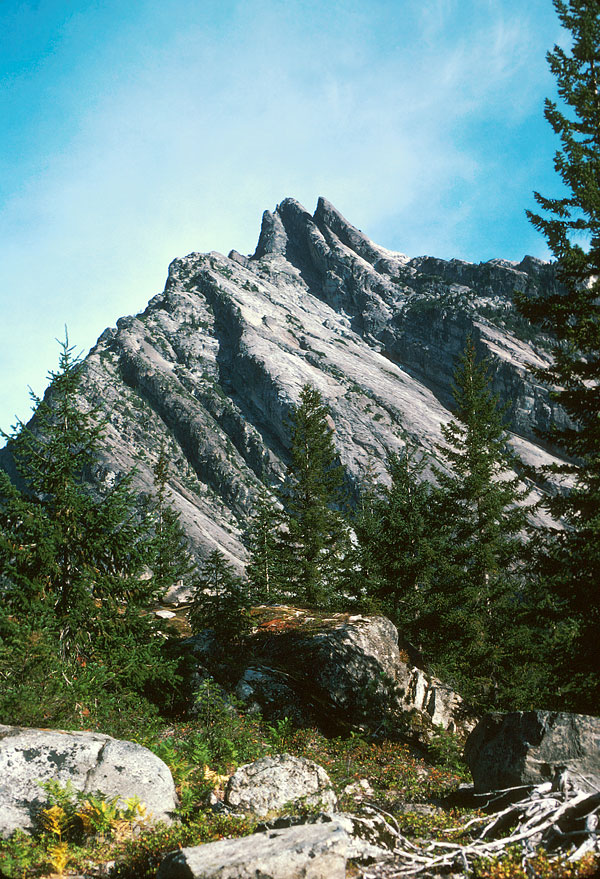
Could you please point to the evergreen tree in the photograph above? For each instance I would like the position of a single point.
(315, 535)
(263, 540)
(570, 561)
(72, 561)
(479, 591)
(398, 535)
(220, 600)
(171, 560)
(366, 585)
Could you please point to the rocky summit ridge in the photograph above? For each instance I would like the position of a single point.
(215, 362)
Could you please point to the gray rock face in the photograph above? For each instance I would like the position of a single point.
(269, 785)
(313, 851)
(271, 691)
(354, 669)
(532, 747)
(214, 363)
(92, 762)
(360, 666)
(372, 834)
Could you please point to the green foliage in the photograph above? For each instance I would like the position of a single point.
(315, 536)
(569, 559)
(72, 568)
(220, 600)
(541, 865)
(72, 828)
(264, 570)
(93, 829)
(69, 814)
(220, 722)
(480, 590)
(439, 825)
(446, 562)
(139, 858)
(22, 856)
(281, 734)
(395, 774)
(447, 750)
(171, 560)
(398, 542)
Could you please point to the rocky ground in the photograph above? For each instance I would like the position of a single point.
(229, 793)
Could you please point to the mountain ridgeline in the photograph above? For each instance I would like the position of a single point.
(211, 369)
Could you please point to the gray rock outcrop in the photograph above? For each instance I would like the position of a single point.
(310, 851)
(532, 747)
(91, 762)
(272, 784)
(353, 668)
(272, 693)
(215, 362)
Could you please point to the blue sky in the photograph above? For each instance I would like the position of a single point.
(133, 133)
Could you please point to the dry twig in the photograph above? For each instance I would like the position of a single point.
(563, 821)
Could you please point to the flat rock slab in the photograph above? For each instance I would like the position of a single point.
(91, 762)
(271, 784)
(531, 747)
(313, 851)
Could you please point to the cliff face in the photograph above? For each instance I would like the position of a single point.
(214, 363)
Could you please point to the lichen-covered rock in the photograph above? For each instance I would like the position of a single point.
(90, 762)
(312, 851)
(272, 692)
(373, 836)
(283, 782)
(353, 670)
(532, 747)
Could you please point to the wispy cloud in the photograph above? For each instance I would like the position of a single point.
(166, 128)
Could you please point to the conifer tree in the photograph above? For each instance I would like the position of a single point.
(220, 600)
(263, 540)
(171, 560)
(479, 587)
(72, 560)
(570, 559)
(315, 534)
(398, 535)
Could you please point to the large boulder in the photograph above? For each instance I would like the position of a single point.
(352, 671)
(91, 762)
(271, 692)
(309, 851)
(532, 747)
(271, 784)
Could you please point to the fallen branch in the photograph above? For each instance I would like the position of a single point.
(562, 821)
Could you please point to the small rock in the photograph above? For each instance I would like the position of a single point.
(272, 784)
(359, 789)
(372, 836)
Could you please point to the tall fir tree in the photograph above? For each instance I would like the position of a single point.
(398, 538)
(73, 560)
(569, 561)
(220, 600)
(315, 535)
(480, 506)
(263, 539)
(171, 560)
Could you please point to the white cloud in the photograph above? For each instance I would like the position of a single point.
(178, 143)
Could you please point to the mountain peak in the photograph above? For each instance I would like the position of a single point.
(213, 366)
